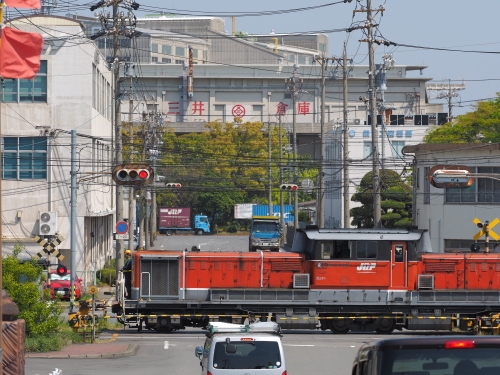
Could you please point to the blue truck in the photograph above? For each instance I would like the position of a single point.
(178, 219)
(265, 233)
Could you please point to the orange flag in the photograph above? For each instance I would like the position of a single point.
(23, 3)
(20, 53)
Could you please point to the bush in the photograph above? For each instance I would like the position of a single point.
(54, 342)
(107, 276)
(233, 228)
(23, 281)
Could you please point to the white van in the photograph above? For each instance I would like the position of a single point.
(242, 349)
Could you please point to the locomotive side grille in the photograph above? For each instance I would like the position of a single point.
(301, 280)
(286, 265)
(440, 267)
(159, 278)
(425, 281)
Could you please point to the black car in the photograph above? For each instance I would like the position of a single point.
(436, 355)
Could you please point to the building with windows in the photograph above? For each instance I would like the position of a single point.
(72, 90)
(448, 214)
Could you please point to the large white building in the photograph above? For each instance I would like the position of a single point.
(72, 90)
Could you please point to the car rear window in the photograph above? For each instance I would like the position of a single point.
(247, 355)
(477, 361)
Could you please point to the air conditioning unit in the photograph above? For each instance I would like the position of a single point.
(357, 121)
(47, 223)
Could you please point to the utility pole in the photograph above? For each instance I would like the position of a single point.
(291, 86)
(282, 208)
(320, 197)
(448, 91)
(119, 25)
(131, 191)
(372, 100)
(269, 156)
(345, 130)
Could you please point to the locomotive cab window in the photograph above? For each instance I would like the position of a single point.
(366, 249)
(332, 250)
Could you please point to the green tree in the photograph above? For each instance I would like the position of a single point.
(223, 166)
(23, 281)
(479, 126)
(396, 201)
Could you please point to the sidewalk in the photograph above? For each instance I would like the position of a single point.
(90, 351)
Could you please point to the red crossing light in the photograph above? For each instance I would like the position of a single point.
(61, 270)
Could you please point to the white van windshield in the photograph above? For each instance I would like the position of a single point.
(247, 355)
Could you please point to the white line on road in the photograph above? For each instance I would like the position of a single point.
(165, 345)
(296, 345)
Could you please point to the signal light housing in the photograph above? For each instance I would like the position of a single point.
(173, 185)
(61, 270)
(133, 174)
(288, 187)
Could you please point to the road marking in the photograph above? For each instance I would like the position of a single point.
(297, 345)
(165, 345)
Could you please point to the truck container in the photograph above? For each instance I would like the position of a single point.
(263, 210)
(178, 219)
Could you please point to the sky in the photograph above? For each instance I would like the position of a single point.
(443, 24)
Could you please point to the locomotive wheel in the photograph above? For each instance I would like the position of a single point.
(340, 326)
(385, 325)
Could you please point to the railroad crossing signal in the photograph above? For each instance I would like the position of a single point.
(173, 185)
(49, 247)
(486, 229)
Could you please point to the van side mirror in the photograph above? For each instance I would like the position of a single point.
(198, 351)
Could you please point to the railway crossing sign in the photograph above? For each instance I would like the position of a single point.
(486, 229)
(49, 247)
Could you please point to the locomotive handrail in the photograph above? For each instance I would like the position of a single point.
(149, 283)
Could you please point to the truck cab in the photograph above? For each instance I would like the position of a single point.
(201, 224)
(265, 233)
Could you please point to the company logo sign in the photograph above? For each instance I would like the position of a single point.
(366, 266)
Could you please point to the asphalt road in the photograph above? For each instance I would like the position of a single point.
(306, 353)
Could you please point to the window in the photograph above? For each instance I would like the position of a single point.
(180, 51)
(421, 120)
(322, 47)
(154, 47)
(255, 354)
(195, 53)
(291, 58)
(484, 190)
(396, 119)
(166, 50)
(302, 59)
(366, 249)
(166, 61)
(27, 90)
(154, 59)
(24, 158)
(397, 149)
(179, 62)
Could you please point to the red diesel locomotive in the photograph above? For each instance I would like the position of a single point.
(337, 279)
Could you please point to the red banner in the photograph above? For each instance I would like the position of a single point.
(23, 3)
(20, 53)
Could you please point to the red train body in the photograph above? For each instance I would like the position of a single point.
(343, 279)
